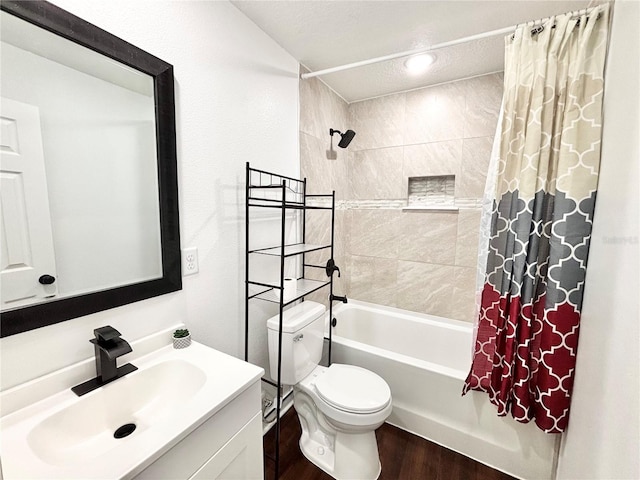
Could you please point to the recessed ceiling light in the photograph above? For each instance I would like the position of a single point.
(419, 63)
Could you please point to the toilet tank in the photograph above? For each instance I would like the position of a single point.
(302, 340)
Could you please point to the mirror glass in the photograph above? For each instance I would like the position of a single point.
(84, 171)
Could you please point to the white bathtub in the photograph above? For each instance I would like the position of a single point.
(425, 360)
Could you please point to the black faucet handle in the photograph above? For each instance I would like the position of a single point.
(106, 333)
(331, 267)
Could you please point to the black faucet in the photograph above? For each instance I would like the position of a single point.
(108, 347)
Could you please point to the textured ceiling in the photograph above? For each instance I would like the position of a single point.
(322, 34)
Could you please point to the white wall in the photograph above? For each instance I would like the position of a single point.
(603, 437)
(236, 101)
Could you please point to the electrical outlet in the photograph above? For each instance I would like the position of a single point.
(189, 261)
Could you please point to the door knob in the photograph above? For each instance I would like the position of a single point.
(46, 279)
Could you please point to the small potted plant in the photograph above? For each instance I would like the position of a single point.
(181, 338)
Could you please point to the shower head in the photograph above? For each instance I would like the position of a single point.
(346, 137)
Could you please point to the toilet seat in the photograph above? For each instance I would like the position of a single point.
(353, 389)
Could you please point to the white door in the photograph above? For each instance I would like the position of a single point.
(26, 250)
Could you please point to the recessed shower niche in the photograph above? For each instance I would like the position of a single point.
(432, 192)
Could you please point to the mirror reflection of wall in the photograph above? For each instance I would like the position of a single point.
(97, 128)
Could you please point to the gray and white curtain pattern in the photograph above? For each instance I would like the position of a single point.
(548, 159)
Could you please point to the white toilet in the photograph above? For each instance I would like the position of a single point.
(339, 407)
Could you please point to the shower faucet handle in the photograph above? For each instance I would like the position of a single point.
(331, 267)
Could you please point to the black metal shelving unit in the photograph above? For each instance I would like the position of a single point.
(270, 190)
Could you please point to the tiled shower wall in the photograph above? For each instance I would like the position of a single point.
(422, 261)
(320, 110)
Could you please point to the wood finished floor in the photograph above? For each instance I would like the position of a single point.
(403, 456)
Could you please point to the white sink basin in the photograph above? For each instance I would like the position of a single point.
(85, 429)
(171, 393)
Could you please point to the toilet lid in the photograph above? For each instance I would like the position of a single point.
(353, 389)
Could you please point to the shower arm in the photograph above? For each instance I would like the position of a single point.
(345, 138)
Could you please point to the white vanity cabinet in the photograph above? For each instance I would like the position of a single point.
(227, 446)
(197, 414)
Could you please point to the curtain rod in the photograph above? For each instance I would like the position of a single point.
(437, 46)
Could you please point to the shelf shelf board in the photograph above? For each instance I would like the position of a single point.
(272, 186)
(304, 287)
(257, 292)
(272, 202)
(290, 250)
(431, 208)
(278, 204)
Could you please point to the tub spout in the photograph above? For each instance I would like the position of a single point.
(338, 299)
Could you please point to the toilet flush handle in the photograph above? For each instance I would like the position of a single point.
(297, 338)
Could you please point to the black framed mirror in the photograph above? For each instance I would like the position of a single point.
(131, 69)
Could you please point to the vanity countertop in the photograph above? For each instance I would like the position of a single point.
(172, 393)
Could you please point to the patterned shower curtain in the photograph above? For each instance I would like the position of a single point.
(545, 190)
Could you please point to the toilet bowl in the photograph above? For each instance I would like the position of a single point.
(339, 407)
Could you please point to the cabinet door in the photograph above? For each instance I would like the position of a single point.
(195, 451)
(239, 459)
